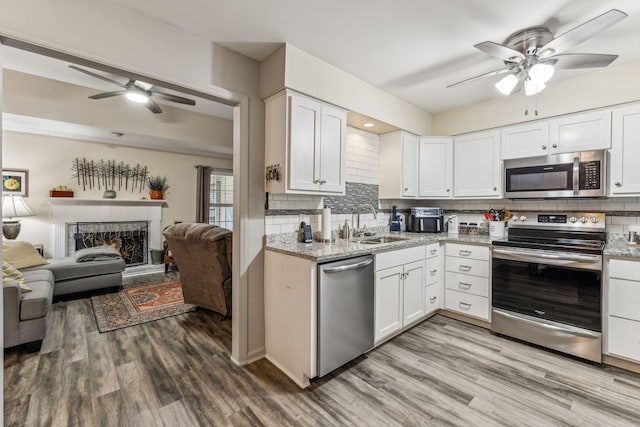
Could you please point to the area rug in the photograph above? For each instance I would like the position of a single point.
(141, 301)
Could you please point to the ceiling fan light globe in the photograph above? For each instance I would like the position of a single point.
(531, 87)
(137, 97)
(541, 73)
(507, 84)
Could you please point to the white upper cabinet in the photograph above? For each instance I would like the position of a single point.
(435, 167)
(398, 165)
(581, 132)
(625, 152)
(477, 167)
(526, 140)
(305, 140)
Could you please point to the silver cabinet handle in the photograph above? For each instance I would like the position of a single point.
(464, 253)
(433, 272)
(464, 305)
(495, 188)
(406, 189)
(448, 190)
(433, 251)
(432, 300)
(544, 147)
(316, 181)
(464, 285)
(555, 145)
(324, 181)
(618, 184)
(464, 267)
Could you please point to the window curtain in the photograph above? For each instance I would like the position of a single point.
(203, 184)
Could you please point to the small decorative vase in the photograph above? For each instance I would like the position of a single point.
(109, 194)
(156, 194)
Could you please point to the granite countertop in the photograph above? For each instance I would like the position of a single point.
(617, 247)
(341, 248)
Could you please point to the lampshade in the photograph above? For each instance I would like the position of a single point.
(507, 84)
(14, 206)
(531, 87)
(541, 73)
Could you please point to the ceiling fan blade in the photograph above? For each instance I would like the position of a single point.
(582, 60)
(153, 107)
(481, 76)
(107, 94)
(97, 76)
(581, 33)
(499, 51)
(172, 98)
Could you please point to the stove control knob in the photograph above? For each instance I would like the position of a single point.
(515, 218)
(573, 219)
(594, 219)
(523, 218)
(583, 219)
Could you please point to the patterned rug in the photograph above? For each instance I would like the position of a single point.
(145, 299)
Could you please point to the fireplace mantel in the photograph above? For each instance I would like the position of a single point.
(69, 210)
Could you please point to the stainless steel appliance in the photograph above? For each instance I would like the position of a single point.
(557, 175)
(426, 220)
(345, 311)
(547, 281)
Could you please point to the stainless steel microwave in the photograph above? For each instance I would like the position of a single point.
(564, 175)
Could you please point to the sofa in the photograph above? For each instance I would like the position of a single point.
(202, 253)
(26, 307)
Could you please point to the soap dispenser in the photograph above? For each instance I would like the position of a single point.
(346, 232)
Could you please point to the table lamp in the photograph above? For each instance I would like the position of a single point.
(13, 206)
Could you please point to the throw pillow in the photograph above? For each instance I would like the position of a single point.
(12, 274)
(21, 254)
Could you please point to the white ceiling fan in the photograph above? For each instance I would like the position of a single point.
(136, 91)
(533, 54)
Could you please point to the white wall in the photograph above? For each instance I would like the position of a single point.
(609, 86)
(49, 161)
(116, 35)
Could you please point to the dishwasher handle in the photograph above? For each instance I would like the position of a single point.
(348, 267)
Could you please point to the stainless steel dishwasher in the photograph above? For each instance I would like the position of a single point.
(345, 311)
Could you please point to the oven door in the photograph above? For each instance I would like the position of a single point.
(561, 287)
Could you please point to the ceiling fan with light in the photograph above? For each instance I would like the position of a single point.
(532, 55)
(136, 91)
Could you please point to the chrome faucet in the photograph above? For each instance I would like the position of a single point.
(356, 212)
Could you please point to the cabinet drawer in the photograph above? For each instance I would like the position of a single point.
(433, 271)
(433, 250)
(471, 305)
(433, 302)
(468, 251)
(399, 257)
(468, 266)
(624, 338)
(623, 269)
(468, 284)
(624, 299)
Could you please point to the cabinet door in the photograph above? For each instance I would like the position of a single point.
(625, 151)
(580, 132)
(414, 284)
(435, 167)
(304, 140)
(409, 165)
(477, 167)
(333, 149)
(388, 301)
(528, 140)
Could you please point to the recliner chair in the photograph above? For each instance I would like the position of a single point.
(203, 255)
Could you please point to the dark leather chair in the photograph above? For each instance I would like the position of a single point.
(202, 253)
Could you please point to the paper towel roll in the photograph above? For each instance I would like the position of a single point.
(326, 224)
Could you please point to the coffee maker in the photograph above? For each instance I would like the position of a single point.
(426, 220)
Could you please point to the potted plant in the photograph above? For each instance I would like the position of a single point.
(157, 186)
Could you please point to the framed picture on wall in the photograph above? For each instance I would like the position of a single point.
(15, 181)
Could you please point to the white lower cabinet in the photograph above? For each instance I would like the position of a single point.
(623, 309)
(467, 280)
(433, 285)
(400, 290)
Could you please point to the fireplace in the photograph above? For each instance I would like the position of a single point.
(130, 238)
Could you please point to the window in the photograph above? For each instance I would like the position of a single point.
(221, 199)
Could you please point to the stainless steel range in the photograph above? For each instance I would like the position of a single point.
(547, 281)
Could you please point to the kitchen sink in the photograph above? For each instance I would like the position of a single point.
(384, 239)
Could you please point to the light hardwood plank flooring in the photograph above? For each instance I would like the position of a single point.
(177, 372)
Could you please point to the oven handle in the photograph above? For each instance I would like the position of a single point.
(533, 256)
(547, 325)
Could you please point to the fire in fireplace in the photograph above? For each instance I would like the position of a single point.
(130, 238)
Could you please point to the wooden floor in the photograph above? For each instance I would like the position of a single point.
(177, 372)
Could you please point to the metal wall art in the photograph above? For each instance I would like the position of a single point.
(109, 174)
